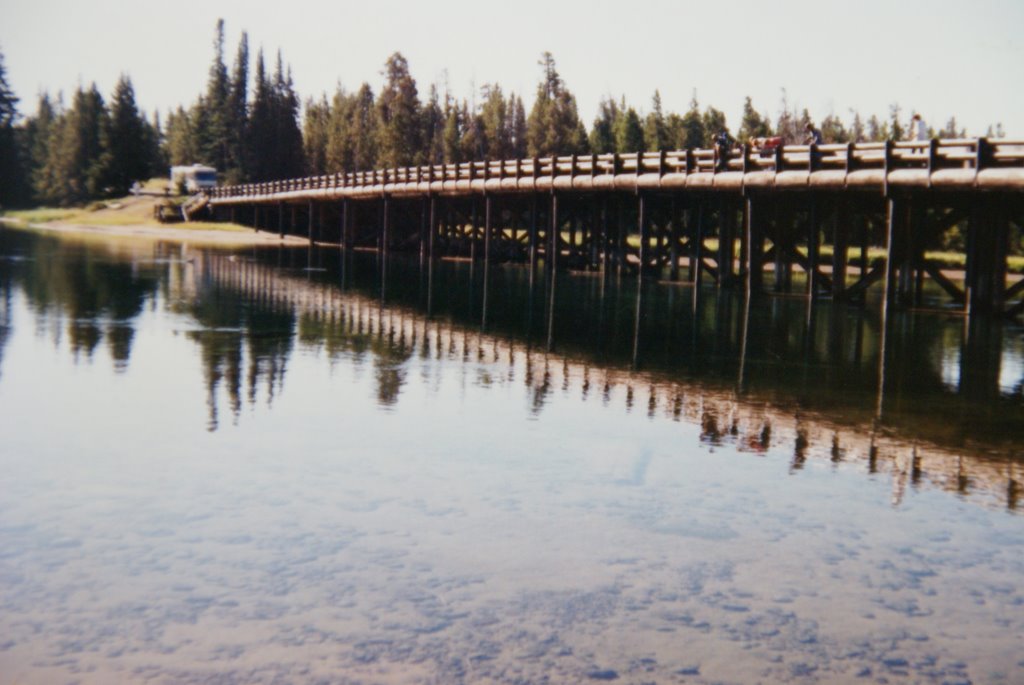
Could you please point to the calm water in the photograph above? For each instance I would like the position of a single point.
(277, 467)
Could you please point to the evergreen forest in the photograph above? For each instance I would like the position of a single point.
(251, 125)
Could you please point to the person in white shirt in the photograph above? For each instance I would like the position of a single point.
(918, 131)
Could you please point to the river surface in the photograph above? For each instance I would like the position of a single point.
(281, 466)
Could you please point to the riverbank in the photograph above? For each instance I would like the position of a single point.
(132, 217)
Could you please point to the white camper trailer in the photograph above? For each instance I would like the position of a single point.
(193, 178)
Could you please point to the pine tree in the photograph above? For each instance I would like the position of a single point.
(694, 132)
(833, 130)
(77, 165)
(36, 148)
(713, 121)
(752, 125)
(952, 130)
(517, 126)
(452, 133)
(126, 140)
(315, 133)
(876, 131)
(629, 134)
(602, 132)
(13, 183)
(896, 130)
(788, 124)
(288, 137)
(364, 131)
(858, 133)
(495, 133)
(675, 132)
(338, 152)
(214, 115)
(181, 142)
(237, 116)
(554, 126)
(433, 129)
(472, 142)
(398, 108)
(260, 133)
(655, 131)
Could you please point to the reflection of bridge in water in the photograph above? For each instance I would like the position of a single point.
(915, 449)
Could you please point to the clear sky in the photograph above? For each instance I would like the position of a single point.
(939, 57)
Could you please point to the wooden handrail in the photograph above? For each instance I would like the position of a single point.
(930, 155)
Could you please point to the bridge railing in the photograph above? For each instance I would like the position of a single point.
(930, 155)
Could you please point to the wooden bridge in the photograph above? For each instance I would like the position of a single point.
(841, 218)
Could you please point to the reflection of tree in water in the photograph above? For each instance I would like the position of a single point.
(232, 328)
(6, 297)
(346, 336)
(221, 354)
(388, 365)
(98, 295)
(269, 343)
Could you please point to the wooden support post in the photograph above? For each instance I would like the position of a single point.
(727, 244)
(840, 257)
(431, 228)
(423, 232)
(552, 256)
(344, 225)
(573, 226)
(696, 245)
(673, 253)
(748, 242)
(431, 231)
(473, 224)
(696, 260)
(905, 239)
(782, 257)
(310, 207)
(605, 247)
(813, 243)
(280, 219)
(918, 231)
(1001, 250)
(385, 238)
(865, 244)
(620, 237)
(642, 229)
(487, 257)
(533, 234)
(890, 240)
(487, 231)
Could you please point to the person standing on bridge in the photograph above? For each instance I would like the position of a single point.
(813, 136)
(723, 146)
(918, 131)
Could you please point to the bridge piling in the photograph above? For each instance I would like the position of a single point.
(840, 252)
(310, 227)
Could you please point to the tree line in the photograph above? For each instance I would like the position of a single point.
(258, 129)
